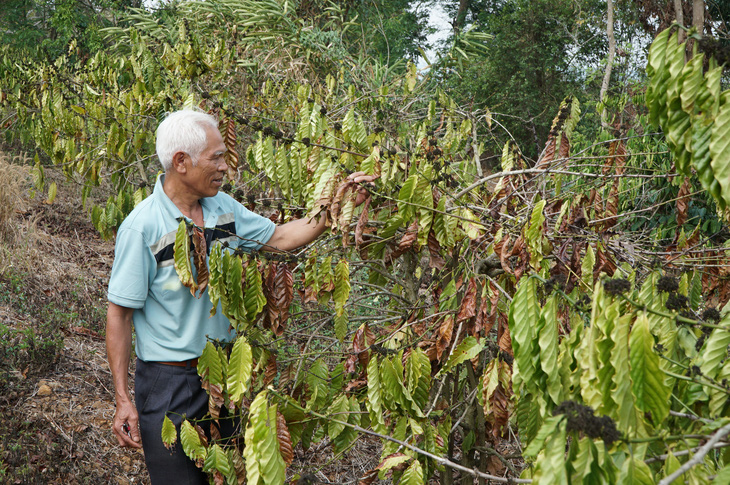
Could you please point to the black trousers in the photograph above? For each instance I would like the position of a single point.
(176, 392)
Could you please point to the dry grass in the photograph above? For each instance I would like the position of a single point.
(14, 179)
(55, 407)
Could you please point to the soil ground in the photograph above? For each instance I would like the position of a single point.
(56, 399)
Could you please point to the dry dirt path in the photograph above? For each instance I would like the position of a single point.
(56, 399)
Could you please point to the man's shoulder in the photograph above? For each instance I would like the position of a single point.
(145, 217)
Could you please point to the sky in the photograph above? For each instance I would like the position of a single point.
(437, 19)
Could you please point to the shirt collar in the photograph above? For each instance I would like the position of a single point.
(209, 204)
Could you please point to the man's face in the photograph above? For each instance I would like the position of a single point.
(206, 178)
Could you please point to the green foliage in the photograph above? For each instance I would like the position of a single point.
(442, 277)
(527, 71)
(264, 464)
(688, 104)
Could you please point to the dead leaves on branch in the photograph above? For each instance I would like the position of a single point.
(279, 293)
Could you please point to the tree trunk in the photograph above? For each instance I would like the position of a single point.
(698, 15)
(609, 63)
(698, 22)
(460, 16)
(679, 16)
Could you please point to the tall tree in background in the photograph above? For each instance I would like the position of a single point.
(52, 24)
(390, 31)
(537, 57)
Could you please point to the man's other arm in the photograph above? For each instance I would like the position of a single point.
(118, 350)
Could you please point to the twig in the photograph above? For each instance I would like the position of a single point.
(684, 415)
(438, 459)
(654, 459)
(699, 456)
(59, 429)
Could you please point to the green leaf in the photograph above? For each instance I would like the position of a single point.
(264, 464)
(190, 440)
(635, 472)
(215, 276)
(232, 300)
(718, 398)
(317, 378)
(217, 461)
(183, 266)
(524, 311)
(418, 376)
(341, 327)
(647, 378)
(393, 383)
(342, 286)
(240, 368)
(444, 225)
(550, 464)
(391, 462)
(169, 433)
(339, 411)
(621, 393)
(405, 196)
(547, 330)
(254, 300)
(720, 155)
(671, 464)
(469, 348)
(413, 475)
(210, 365)
(586, 268)
(533, 234)
(550, 426)
(723, 476)
(374, 402)
(715, 349)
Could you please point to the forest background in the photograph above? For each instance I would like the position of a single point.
(542, 265)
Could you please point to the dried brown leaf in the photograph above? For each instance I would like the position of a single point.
(503, 337)
(271, 370)
(362, 223)
(683, 200)
(548, 153)
(434, 252)
(369, 477)
(564, 151)
(468, 308)
(444, 334)
(200, 259)
(282, 434)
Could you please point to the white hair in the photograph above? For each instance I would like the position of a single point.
(183, 131)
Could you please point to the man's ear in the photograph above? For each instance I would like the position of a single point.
(178, 162)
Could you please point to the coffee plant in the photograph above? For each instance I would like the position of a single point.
(454, 308)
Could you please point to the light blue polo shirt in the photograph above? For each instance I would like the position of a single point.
(171, 324)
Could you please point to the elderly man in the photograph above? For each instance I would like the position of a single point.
(171, 325)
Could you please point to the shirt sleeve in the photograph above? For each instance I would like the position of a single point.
(133, 270)
(253, 229)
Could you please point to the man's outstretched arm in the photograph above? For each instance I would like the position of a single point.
(118, 350)
(299, 232)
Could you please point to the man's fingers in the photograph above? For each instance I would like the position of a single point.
(360, 177)
(134, 435)
(126, 430)
(128, 436)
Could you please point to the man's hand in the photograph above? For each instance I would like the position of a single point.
(360, 178)
(299, 232)
(126, 425)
